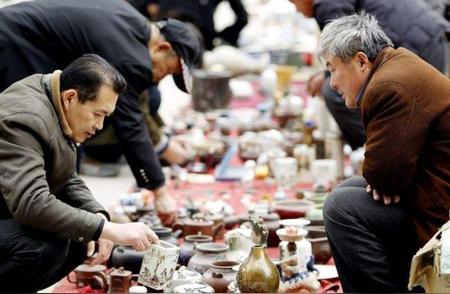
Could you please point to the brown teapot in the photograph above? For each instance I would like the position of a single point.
(120, 280)
(198, 226)
(92, 275)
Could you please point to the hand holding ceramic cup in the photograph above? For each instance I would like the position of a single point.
(138, 235)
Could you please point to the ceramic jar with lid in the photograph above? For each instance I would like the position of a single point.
(207, 253)
(221, 274)
(189, 245)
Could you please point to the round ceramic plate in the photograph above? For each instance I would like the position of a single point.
(295, 222)
(326, 271)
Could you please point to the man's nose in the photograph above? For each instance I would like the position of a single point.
(99, 124)
(333, 84)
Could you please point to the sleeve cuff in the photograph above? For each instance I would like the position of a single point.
(99, 230)
(105, 213)
(162, 145)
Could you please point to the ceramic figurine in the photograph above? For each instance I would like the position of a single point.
(296, 260)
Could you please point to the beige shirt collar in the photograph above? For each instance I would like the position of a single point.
(56, 97)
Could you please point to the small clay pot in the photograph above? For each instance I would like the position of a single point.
(221, 274)
(206, 253)
(319, 242)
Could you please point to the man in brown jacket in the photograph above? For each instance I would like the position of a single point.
(376, 223)
(48, 217)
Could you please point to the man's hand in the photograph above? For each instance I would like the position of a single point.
(386, 199)
(165, 206)
(176, 153)
(104, 251)
(315, 83)
(138, 235)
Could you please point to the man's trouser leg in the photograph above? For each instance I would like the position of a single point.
(372, 243)
(31, 260)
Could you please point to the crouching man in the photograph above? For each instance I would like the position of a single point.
(49, 219)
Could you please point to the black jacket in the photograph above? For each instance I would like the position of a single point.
(409, 23)
(41, 36)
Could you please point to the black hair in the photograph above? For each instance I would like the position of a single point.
(87, 74)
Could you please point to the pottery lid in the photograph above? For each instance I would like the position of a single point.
(291, 234)
(198, 238)
(295, 222)
(90, 268)
(162, 232)
(198, 222)
(212, 247)
(225, 264)
(193, 288)
(121, 272)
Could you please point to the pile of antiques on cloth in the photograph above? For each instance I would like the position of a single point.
(250, 206)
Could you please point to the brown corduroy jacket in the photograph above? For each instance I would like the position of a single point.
(405, 109)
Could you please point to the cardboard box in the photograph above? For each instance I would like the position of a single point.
(430, 266)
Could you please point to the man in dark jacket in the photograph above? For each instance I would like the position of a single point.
(408, 23)
(41, 36)
(375, 224)
(49, 219)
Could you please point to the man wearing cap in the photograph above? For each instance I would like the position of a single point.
(41, 36)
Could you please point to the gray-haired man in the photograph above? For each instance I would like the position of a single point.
(376, 223)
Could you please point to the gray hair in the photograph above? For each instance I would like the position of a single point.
(346, 36)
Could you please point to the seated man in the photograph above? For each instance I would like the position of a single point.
(376, 223)
(49, 219)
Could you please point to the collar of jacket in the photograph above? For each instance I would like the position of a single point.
(382, 57)
(56, 98)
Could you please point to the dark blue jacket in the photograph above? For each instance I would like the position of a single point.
(42, 36)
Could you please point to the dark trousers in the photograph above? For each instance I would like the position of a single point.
(31, 260)
(372, 243)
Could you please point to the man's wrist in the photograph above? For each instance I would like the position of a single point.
(161, 191)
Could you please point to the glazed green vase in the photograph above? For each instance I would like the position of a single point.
(258, 274)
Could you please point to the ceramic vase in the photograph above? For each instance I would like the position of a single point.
(258, 274)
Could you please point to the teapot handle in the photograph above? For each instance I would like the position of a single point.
(68, 278)
(216, 229)
(177, 227)
(101, 280)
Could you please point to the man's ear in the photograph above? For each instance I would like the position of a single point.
(363, 60)
(164, 46)
(68, 97)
